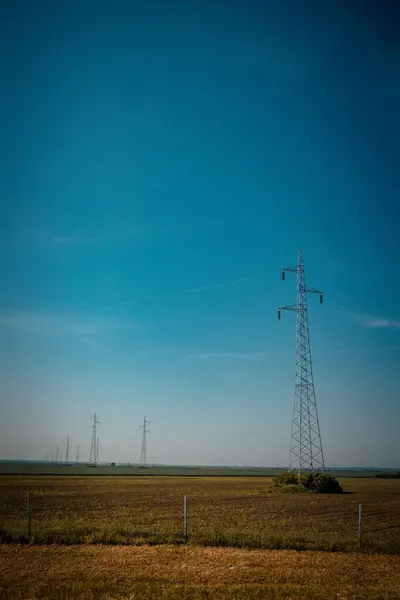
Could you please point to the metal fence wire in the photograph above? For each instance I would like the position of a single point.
(132, 516)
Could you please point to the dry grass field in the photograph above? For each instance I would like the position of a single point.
(223, 511)
(173, 572)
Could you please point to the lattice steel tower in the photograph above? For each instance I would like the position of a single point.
(93, 456)
(305, 446)
(67, 450)
(143, 459)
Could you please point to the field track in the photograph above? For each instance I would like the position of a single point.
(171, 573)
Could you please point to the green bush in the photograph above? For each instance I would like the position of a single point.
(321, 483)
(285, 479)
(292, 489)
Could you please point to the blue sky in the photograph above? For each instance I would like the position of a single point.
(160, 163)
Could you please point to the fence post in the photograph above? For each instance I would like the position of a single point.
(29, 517)
(185, 518)
(360, 524)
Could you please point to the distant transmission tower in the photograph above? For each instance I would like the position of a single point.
(93, 446)
(67, 451)
(305, 447)
(143, 460)
(77, 453)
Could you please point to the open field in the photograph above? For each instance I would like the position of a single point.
(47, 468)
(230, 511)
(57, 469)
(172, 572)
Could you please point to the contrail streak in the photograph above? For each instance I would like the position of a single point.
(196, 290)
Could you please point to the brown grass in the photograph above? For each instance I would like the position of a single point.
(231, 511)
(171, 572)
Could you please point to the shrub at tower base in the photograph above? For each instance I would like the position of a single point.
(320, 483)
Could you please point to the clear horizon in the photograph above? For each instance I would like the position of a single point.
(150, 464)
(160, 164)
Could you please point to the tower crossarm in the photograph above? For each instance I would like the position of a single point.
(294, 307)
(309, 290)
(290, 270)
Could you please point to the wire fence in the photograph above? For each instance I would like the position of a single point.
(247, 521)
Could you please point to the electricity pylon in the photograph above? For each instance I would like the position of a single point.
(143, 460)
(93, 459)
(77, 453)
(305, 446)
(67, 450)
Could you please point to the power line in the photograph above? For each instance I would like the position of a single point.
(305, 445)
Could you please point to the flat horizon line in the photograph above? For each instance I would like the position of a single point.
(190, 466)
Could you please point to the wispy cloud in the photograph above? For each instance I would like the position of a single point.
(380, 322)
(196, 290)
(129, 231)
(237, 355)
(169, 227)
(69, 323)
(60, 324)
(70, 240)
(65, 240)
(374, 322)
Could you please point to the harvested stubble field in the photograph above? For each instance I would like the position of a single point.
(173, 572)
(223, 511)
